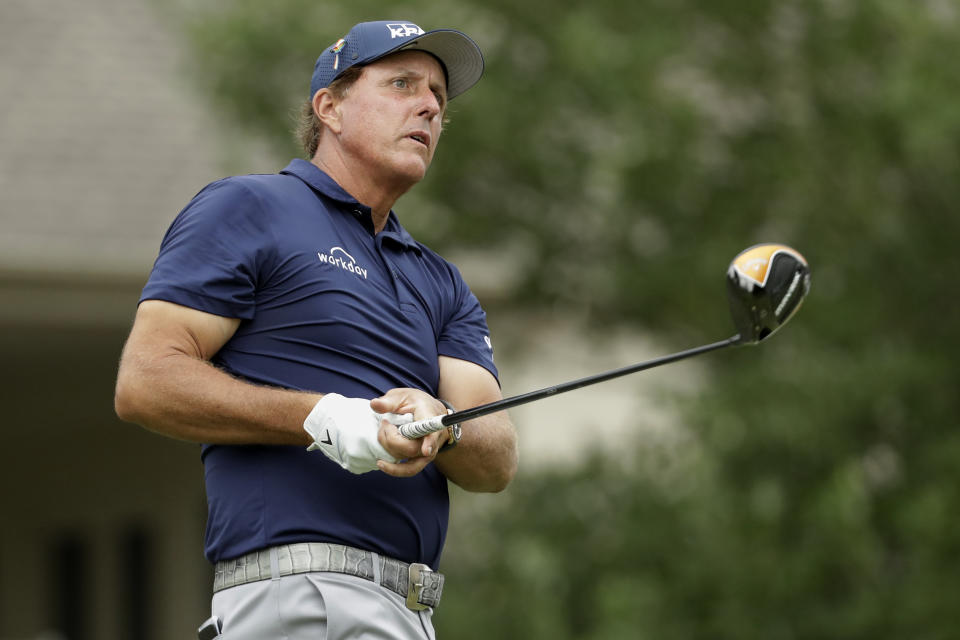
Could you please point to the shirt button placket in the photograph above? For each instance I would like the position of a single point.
(394, 273)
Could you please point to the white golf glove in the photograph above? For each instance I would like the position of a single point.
(345, 429)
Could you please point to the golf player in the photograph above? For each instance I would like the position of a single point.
(290, 323)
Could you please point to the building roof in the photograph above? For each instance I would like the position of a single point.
(102, 141)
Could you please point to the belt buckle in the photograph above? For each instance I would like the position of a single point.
(415, 575)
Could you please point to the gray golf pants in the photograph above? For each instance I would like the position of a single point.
(317, 606)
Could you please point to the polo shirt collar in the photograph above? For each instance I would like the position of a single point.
(322, 183)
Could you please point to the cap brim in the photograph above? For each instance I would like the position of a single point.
(459, 54)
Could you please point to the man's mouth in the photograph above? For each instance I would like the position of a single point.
(420, 137)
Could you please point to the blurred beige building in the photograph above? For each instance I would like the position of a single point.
(101, 143)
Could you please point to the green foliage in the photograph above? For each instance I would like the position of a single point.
(619, 154)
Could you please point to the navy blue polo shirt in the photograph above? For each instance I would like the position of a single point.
(325, 305)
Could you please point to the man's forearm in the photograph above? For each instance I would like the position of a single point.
(187, 398)
(486, 458)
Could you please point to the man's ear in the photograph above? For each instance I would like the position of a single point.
(327, 108)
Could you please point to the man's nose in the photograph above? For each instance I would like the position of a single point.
(431, 105)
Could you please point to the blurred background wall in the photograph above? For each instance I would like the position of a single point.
(100, 142)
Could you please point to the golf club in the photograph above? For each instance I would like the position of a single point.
(766, 284)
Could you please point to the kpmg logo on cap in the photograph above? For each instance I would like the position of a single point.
(404, 30)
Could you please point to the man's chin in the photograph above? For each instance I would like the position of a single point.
(401, 173)
(413, 171)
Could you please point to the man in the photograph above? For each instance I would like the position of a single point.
(293, 311)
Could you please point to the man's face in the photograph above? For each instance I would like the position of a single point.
(391, 117)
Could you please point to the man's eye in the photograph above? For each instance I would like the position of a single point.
(400, 83)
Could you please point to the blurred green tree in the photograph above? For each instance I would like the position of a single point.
(618, 154)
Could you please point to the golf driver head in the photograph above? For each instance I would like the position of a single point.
(765, 286)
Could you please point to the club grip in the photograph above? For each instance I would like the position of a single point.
(420, 428)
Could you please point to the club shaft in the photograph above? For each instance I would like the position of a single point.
(532, 396)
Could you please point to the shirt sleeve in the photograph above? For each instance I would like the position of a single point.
(465, 334)
(212, 254)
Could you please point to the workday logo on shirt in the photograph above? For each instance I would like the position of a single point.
(340, 258)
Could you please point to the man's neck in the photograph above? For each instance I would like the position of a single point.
(378, 196)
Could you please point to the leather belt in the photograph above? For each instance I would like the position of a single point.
(420, 585)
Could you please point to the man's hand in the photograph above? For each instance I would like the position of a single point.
(413, 455)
